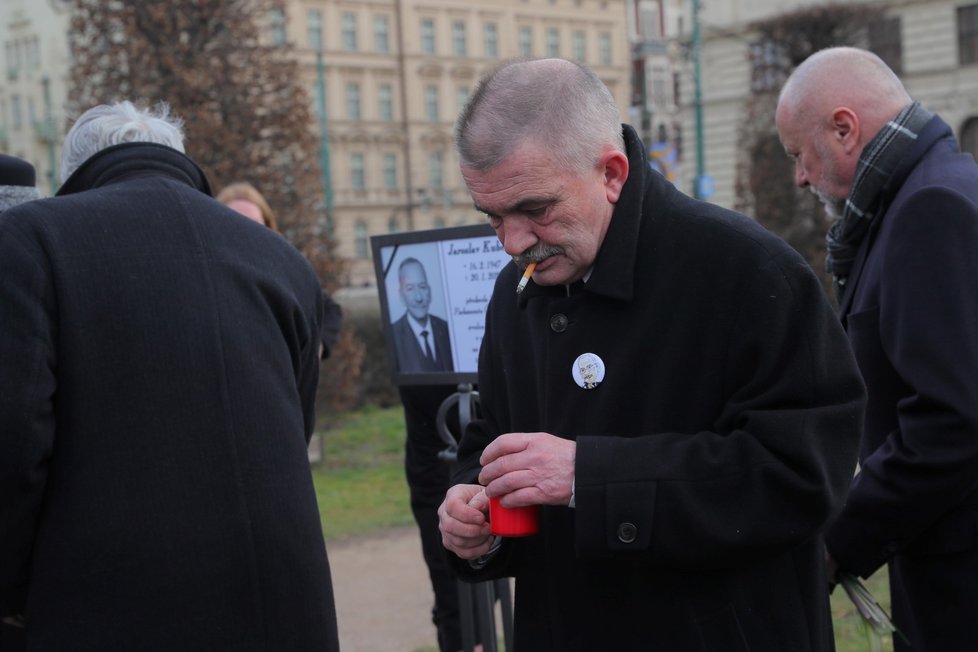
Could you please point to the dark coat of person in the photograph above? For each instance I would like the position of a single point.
(410, 358)
(159, 367)
(720, 441)
(911, 313)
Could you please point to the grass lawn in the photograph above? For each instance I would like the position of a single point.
(361, 488)
(360, 482)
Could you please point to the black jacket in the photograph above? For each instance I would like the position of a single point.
(159, 368)
(720, 441)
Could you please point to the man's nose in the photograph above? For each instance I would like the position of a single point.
(518, 235)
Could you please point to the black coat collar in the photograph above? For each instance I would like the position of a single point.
(128, 160)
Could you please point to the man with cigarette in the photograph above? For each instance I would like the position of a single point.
(684, 480)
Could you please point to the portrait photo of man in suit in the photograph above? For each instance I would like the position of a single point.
(421, 340)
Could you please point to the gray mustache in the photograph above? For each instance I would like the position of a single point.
(537, 254)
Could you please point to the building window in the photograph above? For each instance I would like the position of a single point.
(438, 223)
(431, 103)
(461, 97)
(385, 100)
(769, 66)
(492, 40)
(390, 171)
(458, 38)
(427, 36)
(604, 48)
(553, 42)
(885, 41)
(392, 225)
(968, 34)
(382, 28)
(580, 46)
(16, 112)
(349, 28)
(353, 101)
(278, 27)
(360, 239)
(314, 26)
(357, 175)
(526, 41)
(436, 170)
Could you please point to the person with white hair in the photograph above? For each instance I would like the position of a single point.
(157, 397)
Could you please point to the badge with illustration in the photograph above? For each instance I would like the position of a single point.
(588, 370)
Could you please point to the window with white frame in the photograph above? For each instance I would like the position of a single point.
(436, 170)
(492, 40)
(427, 36)
(604, 48)
(353, 100)
(382, 28)
(580, 46)
(385, 102)
(277, 18)
(358, 178)
(431, 102)
(361, 240)
(526, 41)
(348, 25)
(390, 171)
(314, 29)
(458, 38)
(553, 42)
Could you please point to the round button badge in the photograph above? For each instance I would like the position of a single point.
(588, 370)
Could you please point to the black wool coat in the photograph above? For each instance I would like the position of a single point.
(719, 443)
(159, 366)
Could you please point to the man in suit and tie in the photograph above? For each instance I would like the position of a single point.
(421, 339)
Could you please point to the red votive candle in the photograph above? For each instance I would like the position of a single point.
(513, 521)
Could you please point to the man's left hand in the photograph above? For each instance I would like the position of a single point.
(529, 468)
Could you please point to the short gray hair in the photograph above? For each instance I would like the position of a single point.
(556, 103)
(111, 124)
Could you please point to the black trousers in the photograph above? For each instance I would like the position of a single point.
(428, 480)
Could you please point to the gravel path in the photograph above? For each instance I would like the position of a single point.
(383, 595)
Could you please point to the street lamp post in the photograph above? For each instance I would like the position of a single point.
(48, 132)
(699, 183)
(324, 164)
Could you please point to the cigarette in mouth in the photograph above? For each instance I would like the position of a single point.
(526, 277)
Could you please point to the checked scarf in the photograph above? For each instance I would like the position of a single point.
(876, 164)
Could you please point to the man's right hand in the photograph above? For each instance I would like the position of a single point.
(463, 521)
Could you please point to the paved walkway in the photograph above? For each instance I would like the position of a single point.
(383, 594)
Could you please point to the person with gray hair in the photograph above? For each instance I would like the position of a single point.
(112, 124)
(903, 254)
(670, 390)
(17, 182)
(157, 396)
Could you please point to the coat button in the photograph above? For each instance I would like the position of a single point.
(627, 532)
(558, 323)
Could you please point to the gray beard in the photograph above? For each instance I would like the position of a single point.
(833, 207)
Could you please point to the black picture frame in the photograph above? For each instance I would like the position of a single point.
(461, 264)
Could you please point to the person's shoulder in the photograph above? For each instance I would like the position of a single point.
(724, 230)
